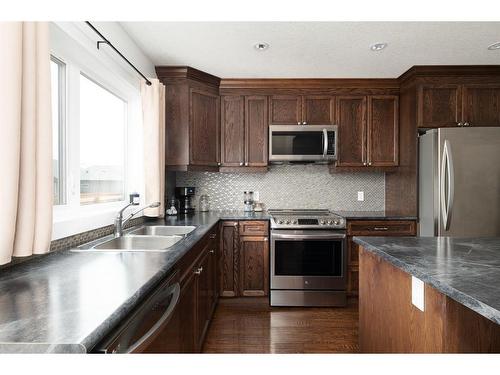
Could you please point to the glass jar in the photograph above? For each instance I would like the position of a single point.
(204, 203)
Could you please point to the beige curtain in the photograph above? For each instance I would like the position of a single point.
(153, 115)
(25, 140)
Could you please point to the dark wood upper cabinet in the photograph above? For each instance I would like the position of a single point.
(204, 137)
(318, 110)
(285, 110)
(383, 131)
(244, 132)
(256, 131)
(481, 105)
(192, 118)
(254, 266)
(302, 110)
(232, 131)
(439, 105)
(351, 120)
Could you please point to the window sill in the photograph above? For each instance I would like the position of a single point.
(70, 221)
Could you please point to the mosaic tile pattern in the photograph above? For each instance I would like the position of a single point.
(91, 235)
(290, 186)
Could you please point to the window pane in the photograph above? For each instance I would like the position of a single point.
(102, 141)
(57, 95)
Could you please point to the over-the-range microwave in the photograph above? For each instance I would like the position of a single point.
(302, 143)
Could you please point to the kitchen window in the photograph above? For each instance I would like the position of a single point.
(103, 122)
(98, 151)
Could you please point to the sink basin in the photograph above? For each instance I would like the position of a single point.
(139, 243)
(162, 230)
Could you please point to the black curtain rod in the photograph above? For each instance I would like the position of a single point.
(106, 41)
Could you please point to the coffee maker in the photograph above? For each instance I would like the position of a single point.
(185, 195)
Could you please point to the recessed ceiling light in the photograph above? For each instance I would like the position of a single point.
(261, 46)
(494, 46)
(378, 46)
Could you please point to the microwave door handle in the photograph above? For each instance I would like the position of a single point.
(325, 142)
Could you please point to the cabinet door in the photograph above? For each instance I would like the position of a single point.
(256, 131)
(212, 280)
(204, 131)
(383, 131)
(318, 110)
(439, 106)
(203, 300)
(187, 308)
(481, 104)
(351, 120)
(232, 131)
(229, 247)
(254, 266)
(285, 110)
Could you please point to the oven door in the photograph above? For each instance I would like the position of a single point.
(302, 143)
(308, 259)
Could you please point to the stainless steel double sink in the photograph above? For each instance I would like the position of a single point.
(155, 238)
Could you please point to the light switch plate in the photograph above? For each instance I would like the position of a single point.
(361, 196)
(418, 293)
(256, 196)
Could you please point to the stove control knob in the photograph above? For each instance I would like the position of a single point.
(295, 222)
(322, 222)
(330, 222)
(287, 221)
(279, 221)
(336, 222)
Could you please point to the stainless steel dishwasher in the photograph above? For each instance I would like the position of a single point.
(146, 322)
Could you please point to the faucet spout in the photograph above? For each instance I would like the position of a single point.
(120, 222)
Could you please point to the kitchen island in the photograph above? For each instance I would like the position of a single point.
(460, 312)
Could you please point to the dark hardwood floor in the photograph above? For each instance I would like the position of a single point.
(250, 325)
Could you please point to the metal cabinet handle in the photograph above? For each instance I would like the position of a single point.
(246, 164)
(304, 123)
(198, 271)
(212, 251)
(459, 124)
(380, 228)
(213, 235)
(241, 163)
(370, 163)
(466, 124)
(298, 123)
(218, 164)
(364, 163)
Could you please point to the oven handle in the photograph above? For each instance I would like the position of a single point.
(308, 236)
(325, 143)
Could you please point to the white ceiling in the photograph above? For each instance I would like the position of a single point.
(315, 49)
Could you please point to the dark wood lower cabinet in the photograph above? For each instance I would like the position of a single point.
(370, 228)
(254, 266)
(244, 258)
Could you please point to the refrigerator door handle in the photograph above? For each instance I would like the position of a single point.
(447, 185)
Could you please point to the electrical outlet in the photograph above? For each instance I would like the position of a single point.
(418, 293)
(361, 196)
(256, 196)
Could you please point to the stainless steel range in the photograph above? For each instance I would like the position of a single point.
(308, 258)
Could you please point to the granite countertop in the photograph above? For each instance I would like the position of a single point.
(465, 269)
(372, 215)
(68, 301)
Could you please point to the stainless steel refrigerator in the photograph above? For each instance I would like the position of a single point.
(459, 182)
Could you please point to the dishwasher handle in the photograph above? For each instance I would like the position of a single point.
(126, 341)
(175, 291)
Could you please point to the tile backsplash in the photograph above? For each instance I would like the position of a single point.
(290, 186)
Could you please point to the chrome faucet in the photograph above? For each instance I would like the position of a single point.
(119, 222)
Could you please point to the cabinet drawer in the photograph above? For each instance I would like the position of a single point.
(381, 228)
(253, 228)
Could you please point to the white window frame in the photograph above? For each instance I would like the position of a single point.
(79, 58)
